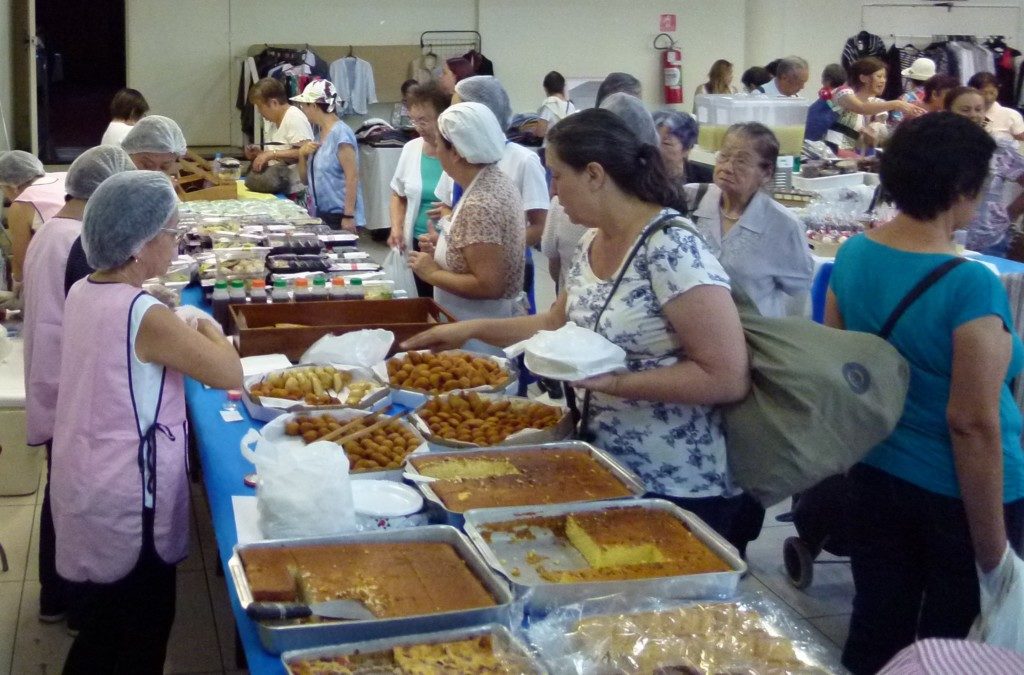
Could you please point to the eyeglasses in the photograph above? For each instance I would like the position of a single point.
(177, 232)
(741, 161)
(420, 122)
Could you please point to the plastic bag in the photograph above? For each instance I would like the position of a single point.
(569, 353)
(396, 267)
(366, 348)
(621, 634)
(1000, 621)
(300, 491)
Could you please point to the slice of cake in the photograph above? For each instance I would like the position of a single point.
(466, 468)
(271, 574)
(614, 538)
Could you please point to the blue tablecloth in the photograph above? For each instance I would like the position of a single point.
(223, 470)
(1002, 264)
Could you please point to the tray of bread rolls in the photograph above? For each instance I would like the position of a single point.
(558, 554)
(479, 649)
(456, 481)
(413, 580)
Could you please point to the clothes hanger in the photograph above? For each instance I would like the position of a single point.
(350, 54)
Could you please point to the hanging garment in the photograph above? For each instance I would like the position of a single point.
(1005, 70)
(425, 68)
(353, 78)
(862, 45)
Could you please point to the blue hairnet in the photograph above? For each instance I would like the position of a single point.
(681, 125)
(126, 210)
(487, 90)
(18, 167)
(473, 132)
(94, 166)
(634, 113)
(155, 133)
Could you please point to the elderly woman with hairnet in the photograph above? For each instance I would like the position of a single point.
(678, 133)
(35, 197)
(156, 143)
(44, 316)
(477, 266)
(119, 483)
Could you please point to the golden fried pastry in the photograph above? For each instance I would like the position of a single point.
(471, 418)
(384, 448)
(445, 371)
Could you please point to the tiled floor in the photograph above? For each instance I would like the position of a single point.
(202, 640)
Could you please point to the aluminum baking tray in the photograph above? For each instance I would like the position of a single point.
(561, 430)
(503, 637)
(507, 554)
(278, 637)
(455, 518)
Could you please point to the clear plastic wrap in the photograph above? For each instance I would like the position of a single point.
(621, 634)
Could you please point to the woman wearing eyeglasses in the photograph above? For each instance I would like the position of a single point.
(758, 241)
(119, 482)
(417, 174)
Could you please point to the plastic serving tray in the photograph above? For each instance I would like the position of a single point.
(508, 555)
(278, 637)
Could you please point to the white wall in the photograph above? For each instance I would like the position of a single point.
(6, 94)
(587, 38)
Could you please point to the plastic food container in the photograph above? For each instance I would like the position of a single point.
(784, 116)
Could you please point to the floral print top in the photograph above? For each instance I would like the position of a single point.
(991, 224)
(677, 450)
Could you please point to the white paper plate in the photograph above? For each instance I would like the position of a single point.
(566, 373)
(381, 498)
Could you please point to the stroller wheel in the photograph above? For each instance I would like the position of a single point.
(799, 561)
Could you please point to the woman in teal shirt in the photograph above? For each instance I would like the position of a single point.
(945, 491)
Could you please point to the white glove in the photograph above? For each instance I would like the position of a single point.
(193, 315)
(12, 300)
(163, 294)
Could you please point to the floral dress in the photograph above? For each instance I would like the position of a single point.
(677, 450)
(989, 231)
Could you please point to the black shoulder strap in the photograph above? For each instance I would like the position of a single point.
(702, 190)
(916, 292)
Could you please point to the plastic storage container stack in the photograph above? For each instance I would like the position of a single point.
(784, 116)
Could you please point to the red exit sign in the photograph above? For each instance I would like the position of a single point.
(667, 23)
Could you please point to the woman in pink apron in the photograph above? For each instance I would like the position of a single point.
(119, 477)
(43, 296)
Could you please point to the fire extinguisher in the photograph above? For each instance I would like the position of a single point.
(671, 69)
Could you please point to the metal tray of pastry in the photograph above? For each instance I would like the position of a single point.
(525, 658)
(514, 557)
(279, 637)
(456, 518)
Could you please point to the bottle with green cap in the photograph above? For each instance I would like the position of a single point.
(319, 291)
(355, 289)
(220, 301)
(280, 291)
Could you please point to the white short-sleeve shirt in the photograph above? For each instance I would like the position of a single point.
(676, 449)
(294, 128)
(1004, 122)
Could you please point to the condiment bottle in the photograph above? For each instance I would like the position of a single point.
(280, 291)
(220, 301)
(319, 289)
(302, 290)
(355, 289)
(236, 296)
(338, 288)
(258, 291)
(231, 403)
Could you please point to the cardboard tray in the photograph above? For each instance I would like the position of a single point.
(274, 432)
(506, 554)
(561, 431)
(270, 409)
(255, 331)
(501, 636)
(278, 637)
(457, 518)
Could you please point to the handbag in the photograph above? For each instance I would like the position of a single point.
(820, 398)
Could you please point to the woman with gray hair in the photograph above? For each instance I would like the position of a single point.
(119, 481)
(156, 143)
(477, 265)
(35, 196)
(44, 317)
(677, 132)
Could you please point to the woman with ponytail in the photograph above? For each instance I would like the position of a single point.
(645, 281)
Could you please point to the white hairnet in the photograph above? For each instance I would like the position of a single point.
(474, 132)
(155, 133)
(487, 90)
(632, 111)
(94, 166)
(126, 210)
(18, 167)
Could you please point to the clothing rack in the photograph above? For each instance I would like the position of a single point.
(448, 43)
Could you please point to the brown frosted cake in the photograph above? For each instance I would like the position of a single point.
(391, 579)
(521, 478)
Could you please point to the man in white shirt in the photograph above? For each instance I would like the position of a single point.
(790, 77)
(285, 129)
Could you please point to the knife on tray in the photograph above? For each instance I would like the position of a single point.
(351, 610)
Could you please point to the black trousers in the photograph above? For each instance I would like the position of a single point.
(54, 591)
(720, 513)
(423, 289)
(913, 566)
(125, 625)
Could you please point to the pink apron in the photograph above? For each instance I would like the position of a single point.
(46, 195)
(45, 263)
(98, 487)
